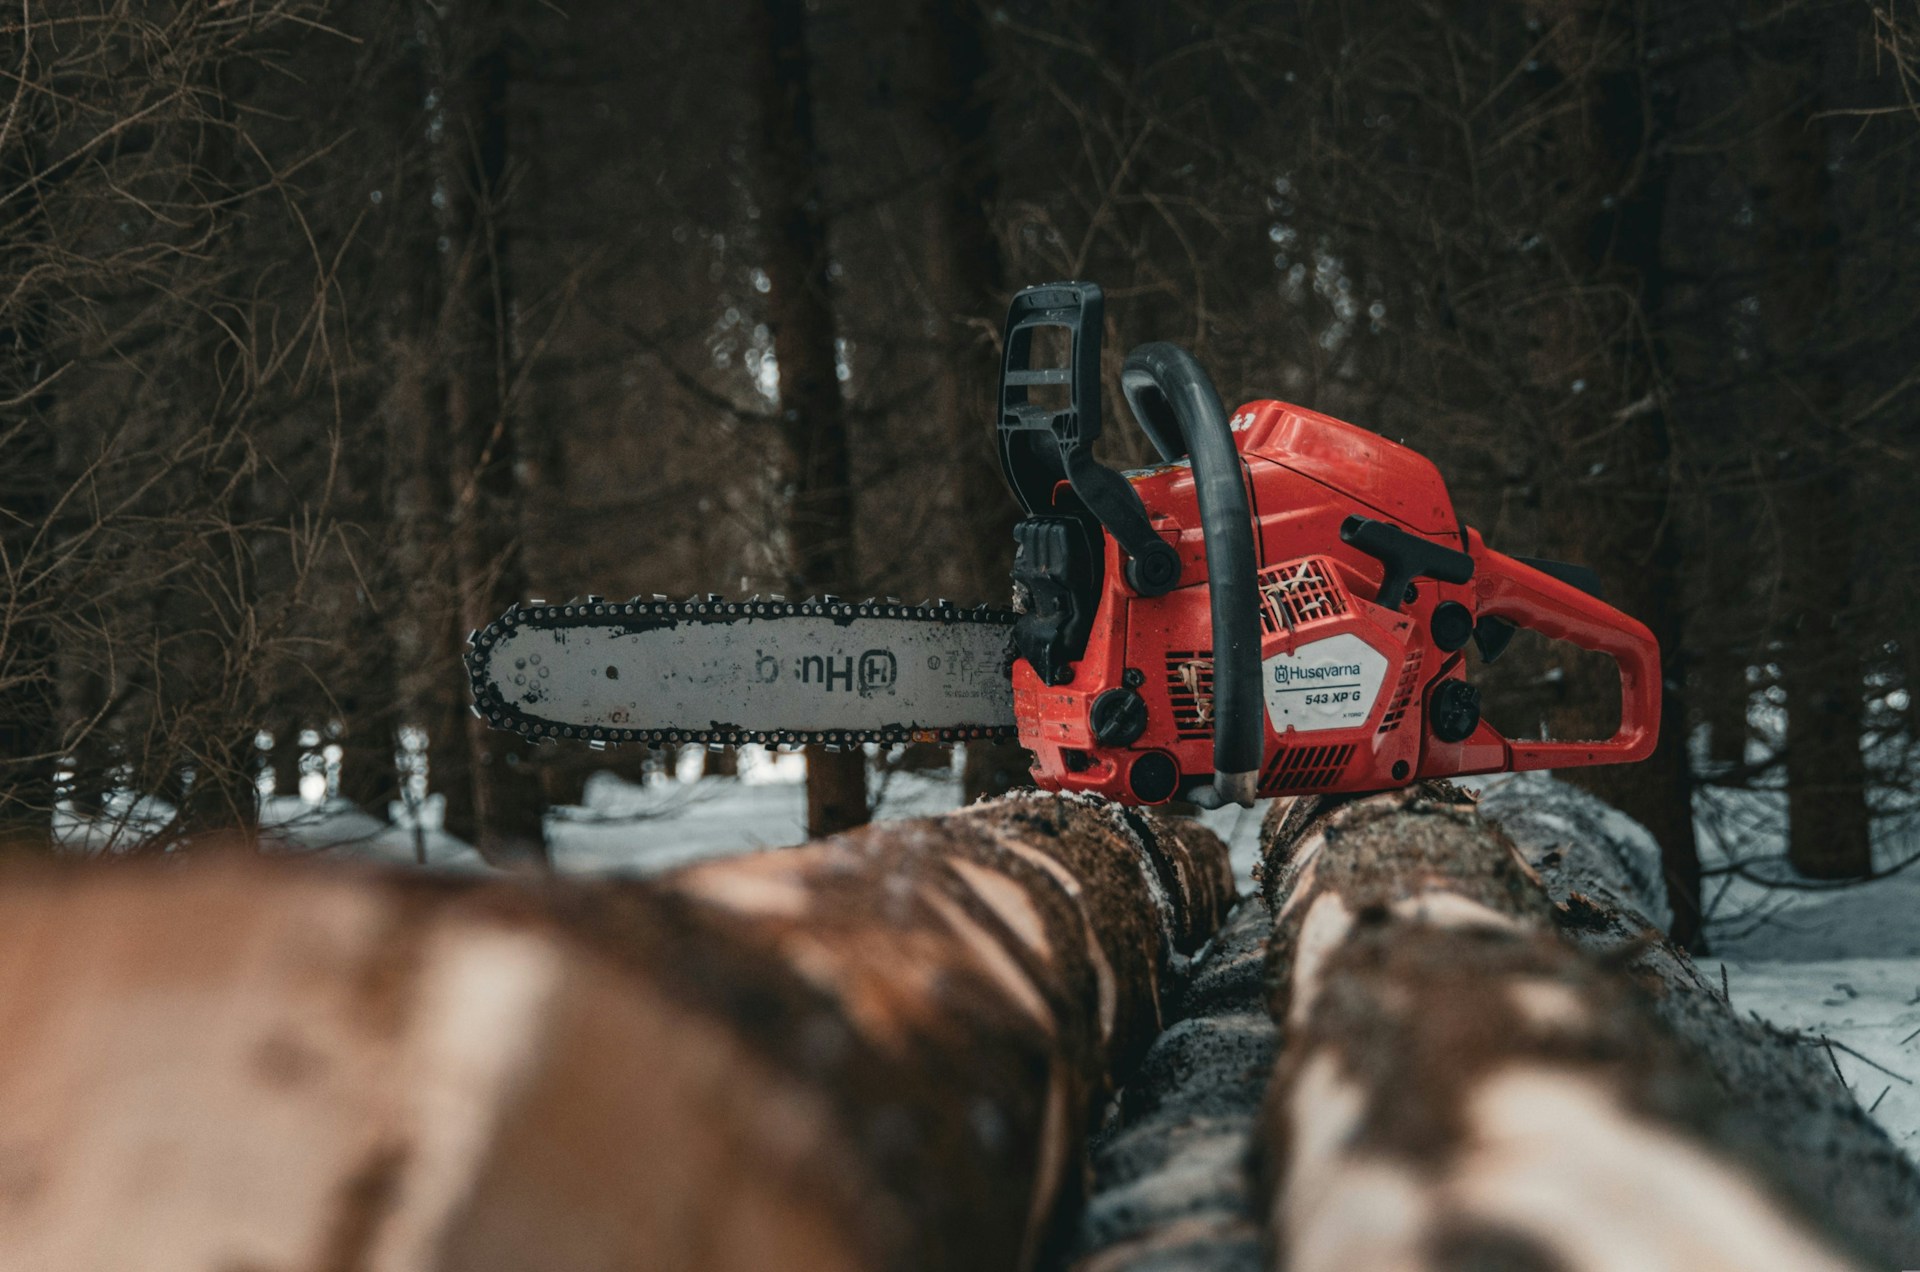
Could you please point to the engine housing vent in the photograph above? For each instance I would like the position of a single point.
(1402, 693)
(1296, 594)
(1190, 692)
(1305, 768)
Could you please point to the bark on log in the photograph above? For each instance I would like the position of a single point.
(1171, 1190)
(1459, 1086)
(878, 1050)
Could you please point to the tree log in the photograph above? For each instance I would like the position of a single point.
(874, 1051)
(1460, 1086)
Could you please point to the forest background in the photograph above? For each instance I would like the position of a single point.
(329, 328)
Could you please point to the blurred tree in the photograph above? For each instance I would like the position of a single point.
(1828, 825)
(820, 509)
(478, 367)
(966, 279)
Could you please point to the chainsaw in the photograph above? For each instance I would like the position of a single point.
(1282, 605)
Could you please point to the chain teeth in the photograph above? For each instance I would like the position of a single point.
(490, 705)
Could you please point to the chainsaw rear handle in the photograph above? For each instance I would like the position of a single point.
(1180, 412)
(1527, 597)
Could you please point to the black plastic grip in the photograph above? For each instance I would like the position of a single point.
(1042, 445)
(1179, 410)
(1404, 557)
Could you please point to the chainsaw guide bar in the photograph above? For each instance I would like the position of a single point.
(821, 671)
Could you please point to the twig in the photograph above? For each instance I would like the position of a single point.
(1864, 1060)
(1832, 1060)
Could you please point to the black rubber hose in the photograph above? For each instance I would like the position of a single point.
(1177, 407)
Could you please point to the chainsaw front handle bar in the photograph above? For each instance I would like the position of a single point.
(1510, 589)
(1180, 412)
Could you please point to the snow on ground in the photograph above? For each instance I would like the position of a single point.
(630, 829)
(329, 828)
(1839, 962)
(1240, 829)
(1868, 1009)
(336, 829)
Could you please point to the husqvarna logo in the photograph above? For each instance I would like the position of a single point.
(1283, 674)
(874, 671)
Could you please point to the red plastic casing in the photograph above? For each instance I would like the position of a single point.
(1306, 474)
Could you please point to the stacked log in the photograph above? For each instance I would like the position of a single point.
(1460, 1086)
(880, 1050)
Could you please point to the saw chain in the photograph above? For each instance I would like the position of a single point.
(493, 704)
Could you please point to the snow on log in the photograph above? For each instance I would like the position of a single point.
(1459, 1086)
(874, 1051)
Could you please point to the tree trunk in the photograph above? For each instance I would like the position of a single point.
(1171, 1187)
(477, 365)
(721, 762)
(820, 515)
(1727, 641)
(369, 771)
(29, 475)
(1828, 820)
(877, 1051)
(966, 278)
(29, 738)
(1625, 526)
(1463, 1086)
(1829, 823)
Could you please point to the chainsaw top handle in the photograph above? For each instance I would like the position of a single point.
(1180, 412)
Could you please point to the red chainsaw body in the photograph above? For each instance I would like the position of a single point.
(1346, 681)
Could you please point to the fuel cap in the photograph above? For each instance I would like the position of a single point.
(1118, 717)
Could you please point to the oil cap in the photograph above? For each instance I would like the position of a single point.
(1454, 711)
(1118, 717)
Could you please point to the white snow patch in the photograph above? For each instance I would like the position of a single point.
(626, 828)
(1868, 1006)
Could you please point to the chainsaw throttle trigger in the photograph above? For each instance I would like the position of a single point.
(1043, 443)
(1405, 557)
(1178, 408)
